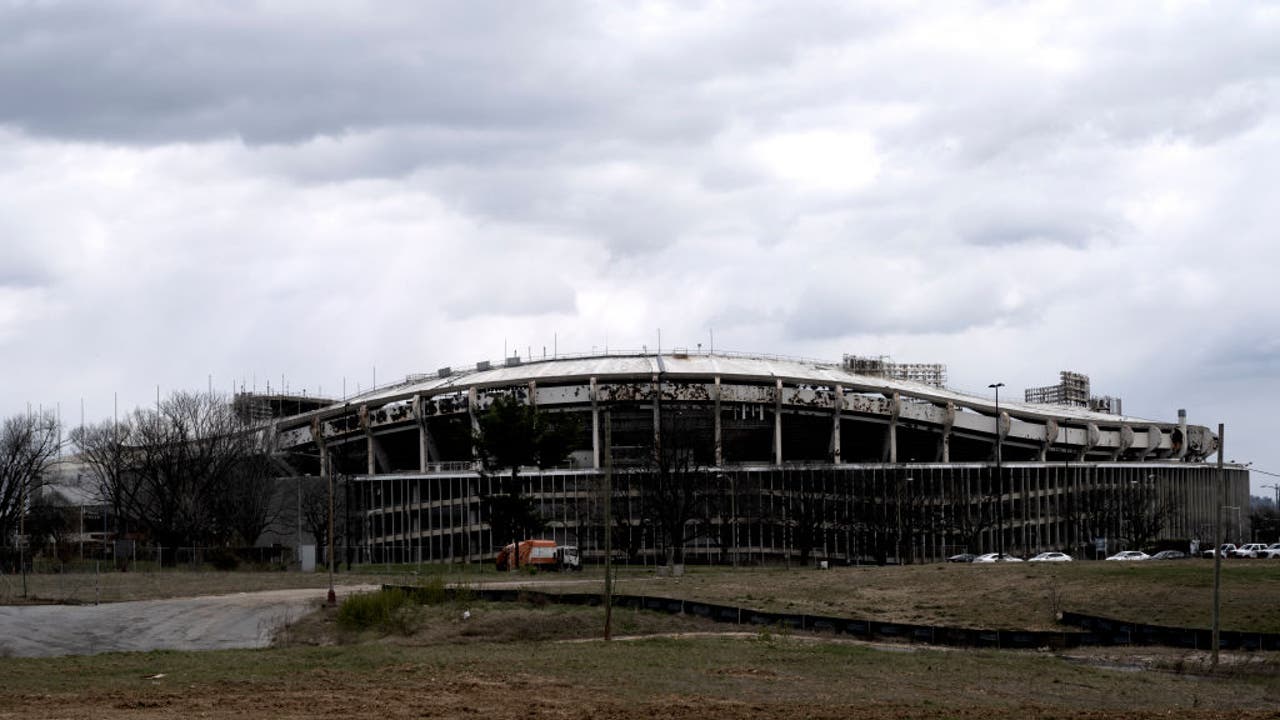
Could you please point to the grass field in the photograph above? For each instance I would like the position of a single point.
(516, 661)
(1006, 596)
(512, 660)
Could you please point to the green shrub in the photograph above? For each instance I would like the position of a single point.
(383, 609)
(431, 592)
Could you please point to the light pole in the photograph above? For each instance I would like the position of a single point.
(1277, 489)
(999, 475)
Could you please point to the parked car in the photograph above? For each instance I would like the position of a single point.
(962, 558)
(1249, 550)
(996, 557)
(1051, 557)
(1130, 555)
(1272, 551)
(1227, 549)
(1169, 555)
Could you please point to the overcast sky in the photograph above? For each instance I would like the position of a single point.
(218, 192)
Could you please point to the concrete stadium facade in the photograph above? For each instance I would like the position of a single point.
(794, 459)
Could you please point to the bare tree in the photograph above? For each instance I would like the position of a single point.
(251, 503)
(315, 511)
(678, 494)
(170, 470)
(1144, 512)
(28, 445)
(105, 450)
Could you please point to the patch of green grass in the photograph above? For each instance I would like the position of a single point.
(383, 610)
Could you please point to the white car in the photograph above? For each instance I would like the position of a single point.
(1250, 550)
(996, 557)
(1129, 555)
(1227, 550)
(1051, 557)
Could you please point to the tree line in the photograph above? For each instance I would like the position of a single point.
(189, 472)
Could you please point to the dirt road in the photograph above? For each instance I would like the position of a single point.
(242, 620)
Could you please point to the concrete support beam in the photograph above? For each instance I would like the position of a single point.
(473, 397)
(1126, 442)
(1050, 436)
(595, 424)
(836, 411)
(1092, 436)
(657, 417)
(1180, 448)
(1154, 437)
(944, 433)
(426, 444)
(890, 454)
(777, 422)
(375, 455)
(719, 437)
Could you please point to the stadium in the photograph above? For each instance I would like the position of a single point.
(737, 459)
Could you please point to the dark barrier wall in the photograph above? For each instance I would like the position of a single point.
(864, 629)
(1094, 630)
(1106, 631)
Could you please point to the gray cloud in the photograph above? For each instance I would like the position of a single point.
(1012, 189)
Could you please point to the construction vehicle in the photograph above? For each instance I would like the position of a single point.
(541, 554)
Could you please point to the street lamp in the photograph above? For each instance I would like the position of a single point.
(1277, 489)
(999, 474)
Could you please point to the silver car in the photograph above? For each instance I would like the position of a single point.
(1051, 557)
(996, 557)
(1129, 555)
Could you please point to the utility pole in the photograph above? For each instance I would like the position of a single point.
(1217, 552)
(328, 471)
(999, 474)
(608, 528)
(22, 536)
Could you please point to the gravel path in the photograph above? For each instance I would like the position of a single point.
(243, 620)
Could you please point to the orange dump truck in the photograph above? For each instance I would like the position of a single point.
(543, 554)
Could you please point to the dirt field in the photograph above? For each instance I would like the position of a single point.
(1022, 595)
(510, 661)
(520, 661)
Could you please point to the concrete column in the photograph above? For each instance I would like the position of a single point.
(1154, 436)
(1181, 450)
(1050, 435)
(424, 441)
(472, 398)
(657, 417)
(837, 411)
(369, 455)
(595, 424)
(944, 440)
(1092, 436)
(891, 435)
(1126, 442)
(532, 400)
(777, 422)
(719, 440)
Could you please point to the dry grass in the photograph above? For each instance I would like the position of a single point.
(992, 596)
(1021, 595)
(509, 663)
(510, 660)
